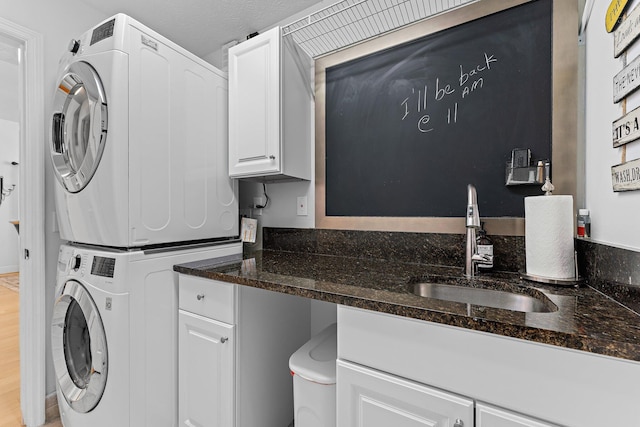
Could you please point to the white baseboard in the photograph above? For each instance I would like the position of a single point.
(9, 269)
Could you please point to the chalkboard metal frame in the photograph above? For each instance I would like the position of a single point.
(564, 116)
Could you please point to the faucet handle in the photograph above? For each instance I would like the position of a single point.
(481, 258)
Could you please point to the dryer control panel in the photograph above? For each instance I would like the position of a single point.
(103, 266)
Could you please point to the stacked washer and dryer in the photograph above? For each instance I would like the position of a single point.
(139, 149)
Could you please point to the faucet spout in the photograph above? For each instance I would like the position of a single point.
(472, 258)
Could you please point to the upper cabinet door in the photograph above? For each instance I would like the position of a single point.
(254, 106)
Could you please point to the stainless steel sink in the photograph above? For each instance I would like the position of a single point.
(484, 297)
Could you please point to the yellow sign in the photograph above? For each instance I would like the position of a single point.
(613, 14)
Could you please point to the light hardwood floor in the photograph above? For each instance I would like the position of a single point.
(10, 361)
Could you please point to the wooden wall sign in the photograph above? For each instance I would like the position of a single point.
(627, 32)
(626, 128)
(614, 12)
(626, 176)
(627, 80)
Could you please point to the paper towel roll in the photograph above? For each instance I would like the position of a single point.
(549, 236)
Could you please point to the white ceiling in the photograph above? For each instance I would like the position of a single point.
(203, 26)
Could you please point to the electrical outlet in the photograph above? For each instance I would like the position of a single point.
(301, 206)
(257, 201)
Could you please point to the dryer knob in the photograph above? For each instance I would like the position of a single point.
(74, 46)
(77, 262)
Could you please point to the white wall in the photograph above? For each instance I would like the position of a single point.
(9, 151)
(9, 209)
(614, 216)
(58, 22)
(8, 90)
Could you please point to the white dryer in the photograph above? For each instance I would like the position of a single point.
(114, 333)
(139, 141)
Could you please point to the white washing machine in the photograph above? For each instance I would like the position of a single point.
(139, 141)
(114, 333)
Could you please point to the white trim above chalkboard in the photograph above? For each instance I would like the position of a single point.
(348, 22)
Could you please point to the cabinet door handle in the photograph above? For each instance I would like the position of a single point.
(224, 340)
(272, 157)
(200, 297)
(458, 423)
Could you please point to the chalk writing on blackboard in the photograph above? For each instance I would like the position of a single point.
(469, 82)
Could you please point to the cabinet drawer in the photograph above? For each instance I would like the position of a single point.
(490, 416)
(209, 298)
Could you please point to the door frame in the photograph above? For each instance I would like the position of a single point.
(32, 214)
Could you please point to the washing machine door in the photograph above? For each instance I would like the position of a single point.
(79, 126)
(79, 348)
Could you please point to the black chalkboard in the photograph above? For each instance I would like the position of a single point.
(409, 127)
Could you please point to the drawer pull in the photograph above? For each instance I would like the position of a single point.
(200, 297)
(459, 423)
(224, 340)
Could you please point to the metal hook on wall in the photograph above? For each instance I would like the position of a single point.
(5, 192)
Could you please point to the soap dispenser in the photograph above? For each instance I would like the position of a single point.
(485, 248)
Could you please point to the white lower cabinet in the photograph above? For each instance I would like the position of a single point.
(374, 399)
(391, 367)
(370, 398)
(490, 416)
(207, 358)
(235, 343)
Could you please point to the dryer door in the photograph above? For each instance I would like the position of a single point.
(79, 126)
(79, 348)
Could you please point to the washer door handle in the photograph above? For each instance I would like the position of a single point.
(57, 133)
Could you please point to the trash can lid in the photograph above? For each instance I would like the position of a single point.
(316, 360)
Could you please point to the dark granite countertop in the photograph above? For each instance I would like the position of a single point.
(585, 319)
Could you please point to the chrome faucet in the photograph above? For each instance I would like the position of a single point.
(473, 258)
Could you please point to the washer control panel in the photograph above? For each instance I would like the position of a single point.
(103, 266)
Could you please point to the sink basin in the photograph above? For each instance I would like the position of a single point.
(484, 297)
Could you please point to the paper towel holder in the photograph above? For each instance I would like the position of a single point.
(572, 281)
(552, 281)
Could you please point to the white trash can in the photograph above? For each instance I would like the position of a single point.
(313, 367)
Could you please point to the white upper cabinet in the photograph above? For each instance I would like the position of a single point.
(270, 110)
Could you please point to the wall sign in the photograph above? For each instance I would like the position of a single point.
(627, 32)
(627, 80)
(626, 128)
(614, 12)
(626, 176)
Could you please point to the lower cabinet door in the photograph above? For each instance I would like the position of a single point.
(206, 372)
(490, 416)
(369, 398)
